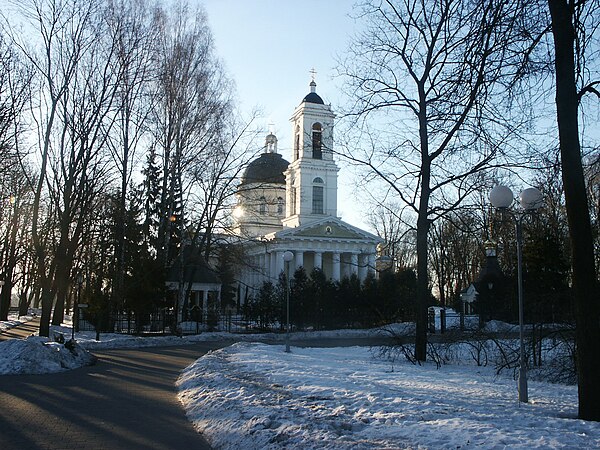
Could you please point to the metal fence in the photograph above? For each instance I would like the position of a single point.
(440, 320)
(163, 322)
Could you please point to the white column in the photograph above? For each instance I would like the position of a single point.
(335, 273)
(299, 259)
(354, 263)
(318, 260)
(371, 262)
(362, 267)
(254, 270)
(267, 266)
(278, 265)
(272, 265)
(261, 268)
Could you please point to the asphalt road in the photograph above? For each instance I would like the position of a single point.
(126, 401)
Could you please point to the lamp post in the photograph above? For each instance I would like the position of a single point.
(287, 257)
(530, 200)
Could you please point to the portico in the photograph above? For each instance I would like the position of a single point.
(337, 248)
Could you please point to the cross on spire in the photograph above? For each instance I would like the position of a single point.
(313, 73)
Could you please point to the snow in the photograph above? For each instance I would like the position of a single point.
(256, 396)
(13, 321)
(37, 355)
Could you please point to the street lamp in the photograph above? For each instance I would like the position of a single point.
(530, 199)
(287, 257)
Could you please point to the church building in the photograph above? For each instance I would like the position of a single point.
(292, 207)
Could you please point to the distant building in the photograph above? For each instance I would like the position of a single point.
(293, 206)
(281, 206)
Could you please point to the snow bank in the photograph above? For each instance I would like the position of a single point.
(36, 355)
(256, 396)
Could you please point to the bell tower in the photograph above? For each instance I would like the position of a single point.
(311, 178)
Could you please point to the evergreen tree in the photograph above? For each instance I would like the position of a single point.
(150, 192)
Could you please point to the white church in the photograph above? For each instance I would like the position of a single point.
(285, 206)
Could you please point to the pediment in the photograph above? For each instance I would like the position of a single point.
(328, 229)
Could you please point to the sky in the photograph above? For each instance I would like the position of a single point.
(269, 48)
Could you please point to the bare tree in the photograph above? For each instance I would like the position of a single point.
(70, 58)
(130, 23)
(398, 235)
(431, 72)
(15, 83)
(456, 252)
(194, 100)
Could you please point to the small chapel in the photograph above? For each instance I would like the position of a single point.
(292, 207)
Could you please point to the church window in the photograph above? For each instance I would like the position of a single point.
(297, 143)
(279, 205)
(293, 200)
(317, 197)
(263, 206)
(317, 141)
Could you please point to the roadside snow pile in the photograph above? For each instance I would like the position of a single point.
(36, 355)
(13, 321)
(255, 396)
(115, 340)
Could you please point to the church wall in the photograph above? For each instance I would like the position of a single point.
(252, 222)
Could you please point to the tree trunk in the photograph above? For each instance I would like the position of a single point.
(423, 293)
(587, 307)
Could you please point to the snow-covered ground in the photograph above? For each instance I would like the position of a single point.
(256, 396)
(13, 321)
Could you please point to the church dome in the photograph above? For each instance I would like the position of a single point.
(267, 168)
(313, 97)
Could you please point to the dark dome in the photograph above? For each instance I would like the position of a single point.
(268, 168)
(313, 97)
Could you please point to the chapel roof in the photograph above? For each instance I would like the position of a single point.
(195, 270)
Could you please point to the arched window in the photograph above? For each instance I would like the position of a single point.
(317, 132)
(317, 196)
(262, 208)
(293, 204)
(297, 143)
(279, 205)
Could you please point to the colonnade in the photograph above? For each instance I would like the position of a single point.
(336, 265)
